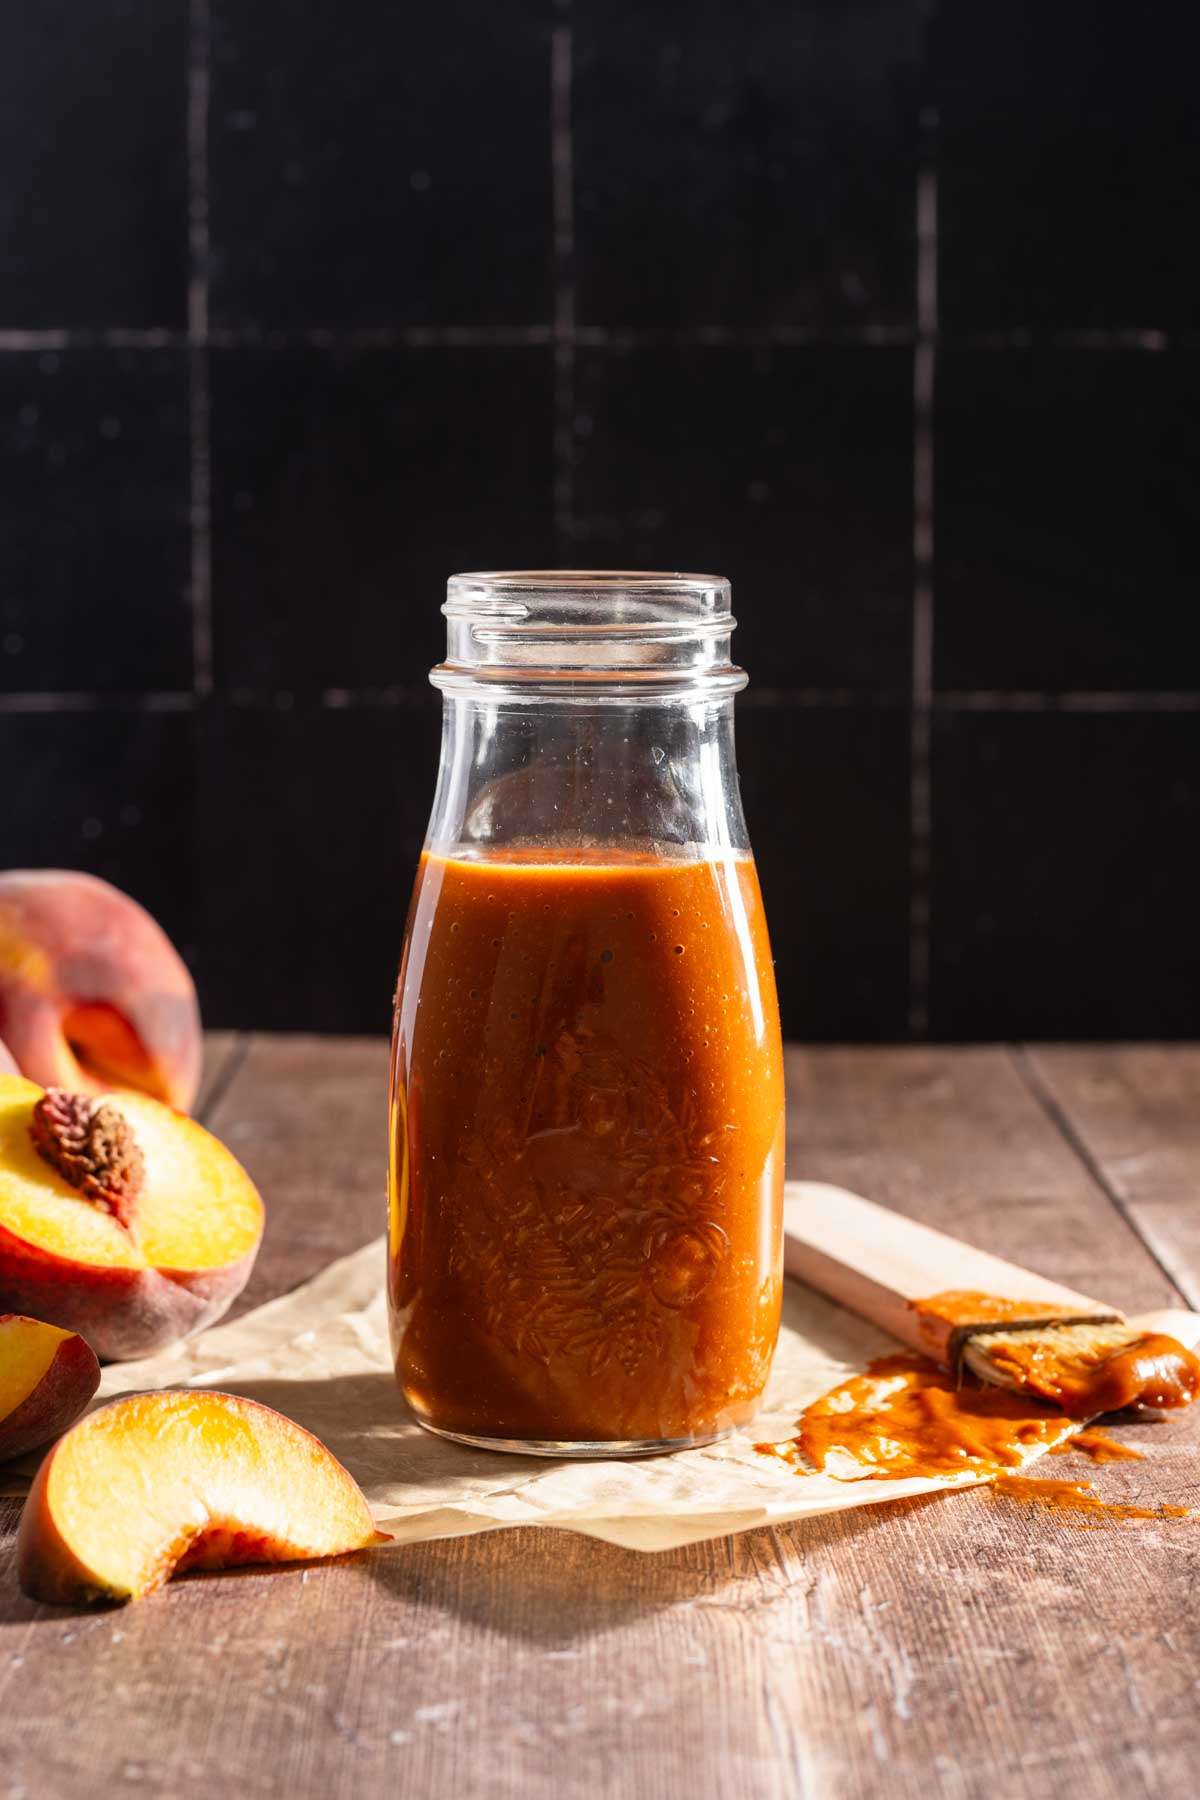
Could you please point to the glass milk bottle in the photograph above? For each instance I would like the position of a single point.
(587, 1114)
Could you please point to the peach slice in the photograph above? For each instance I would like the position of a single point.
(154, 1484)
(119, 1218)
(47, 1377)
(93, 995)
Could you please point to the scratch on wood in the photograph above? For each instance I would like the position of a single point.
(892, 1660)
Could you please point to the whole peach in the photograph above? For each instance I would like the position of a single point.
(93, 995)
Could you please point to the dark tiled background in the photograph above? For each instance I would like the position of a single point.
(300, 309)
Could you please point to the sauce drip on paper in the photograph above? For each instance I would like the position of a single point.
(906, 1417)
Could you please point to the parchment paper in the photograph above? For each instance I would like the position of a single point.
(320, 1355)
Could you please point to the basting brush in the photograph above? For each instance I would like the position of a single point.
(972, 1311)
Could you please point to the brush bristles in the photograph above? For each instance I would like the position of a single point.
(1068, 1346)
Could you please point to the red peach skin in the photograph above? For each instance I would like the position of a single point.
(93, 995)
(47, 1377)
(127, 1313)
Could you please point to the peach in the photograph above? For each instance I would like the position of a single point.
(154, 1484)
(93, 995)
(8, 1062)
(119, 1218)
(47, 1377)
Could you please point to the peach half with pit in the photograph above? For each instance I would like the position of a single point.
(156, 1484)
(47, 1377)
(120, 1218)
(93, 995)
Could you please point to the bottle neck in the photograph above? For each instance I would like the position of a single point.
(640, 776)
(605, 636)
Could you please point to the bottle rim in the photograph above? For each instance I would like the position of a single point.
(523, 594)
(620, 630)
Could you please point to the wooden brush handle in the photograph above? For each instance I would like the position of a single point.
(878, 1263)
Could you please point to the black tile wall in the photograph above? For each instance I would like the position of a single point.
(95, 539)
(302, 913)
(1064, 888)
(826, 795)
(347, 485)
(93, 148)
(749, 165)
(790, 470)
(1068, 164)
(380, 164)
(1066, 520)
(113, 793)
(888, 312)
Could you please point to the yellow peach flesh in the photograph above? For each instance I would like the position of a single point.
(27, 1349)
(130, 1489)
(197, 1210)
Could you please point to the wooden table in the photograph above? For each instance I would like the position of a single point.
(954, 1646)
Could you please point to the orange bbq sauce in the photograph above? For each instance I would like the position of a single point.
(1153, 1370)
(906, 1417)
(587, 1148)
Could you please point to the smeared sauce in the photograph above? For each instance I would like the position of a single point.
(1101, 1448)
(906, 1417)
(1085, 1380)
(1078, 1497)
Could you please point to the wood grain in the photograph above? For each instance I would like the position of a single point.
(1135, 1110)
(957, 1646)
(308, 1118)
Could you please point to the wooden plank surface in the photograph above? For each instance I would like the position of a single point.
(954, 1646)
(1134, 1110)
(308, 1117)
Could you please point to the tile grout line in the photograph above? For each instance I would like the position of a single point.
(16, 340)
(96, 700)
(563, 185)
(1037, 1085)
(199, 396)
(1079, 701)
(920, 774)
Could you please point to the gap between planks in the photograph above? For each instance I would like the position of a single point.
(1073, 1136)
(228, 1050)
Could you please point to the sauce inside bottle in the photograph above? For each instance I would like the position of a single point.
(587, 1148)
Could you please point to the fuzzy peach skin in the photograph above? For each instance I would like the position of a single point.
(93, 995)
(154, 1484)
(195, 1234)
(47, 1377)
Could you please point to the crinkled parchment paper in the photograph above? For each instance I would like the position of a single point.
(320, 1355)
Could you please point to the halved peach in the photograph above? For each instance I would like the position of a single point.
(119, 1218)
(154, 1484)
(47, 1377)
(93, 995)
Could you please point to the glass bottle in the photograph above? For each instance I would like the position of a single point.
(587, 1116)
